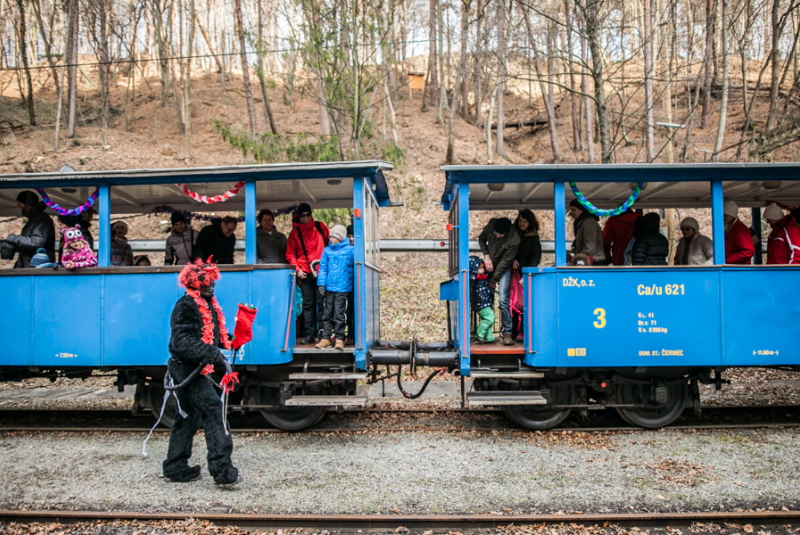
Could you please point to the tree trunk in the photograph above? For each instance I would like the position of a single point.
(647, 49)
(72, 60)
(501, 69)
(547, 94)
(478, 83)
(461, 75)
(433, 80)
(187, 84)
(577, 140)
(23, 51)
(723, 107)
(708, 60)
(46, 40)
(594, 30)
(105, 65)
(776, 63)
(268, 118)
(248, 91)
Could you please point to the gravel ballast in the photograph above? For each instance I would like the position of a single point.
(416, 473)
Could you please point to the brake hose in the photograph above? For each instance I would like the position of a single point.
(424, 385)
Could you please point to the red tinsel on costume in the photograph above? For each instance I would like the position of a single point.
(243, 331)
(209, 369)
(193, 277)
(229, 381)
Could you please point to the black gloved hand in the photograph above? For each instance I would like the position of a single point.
(321, 290)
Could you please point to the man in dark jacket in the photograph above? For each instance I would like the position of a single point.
(217, 239)
(39, 230)
(499, 243)
(651, 248)
(198, 331)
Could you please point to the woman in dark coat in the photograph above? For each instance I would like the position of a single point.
(651, 248)
(528, 255)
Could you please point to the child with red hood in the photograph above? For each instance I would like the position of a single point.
(304, 247)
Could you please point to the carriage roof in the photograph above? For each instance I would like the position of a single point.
(606, 186)
(323, 185)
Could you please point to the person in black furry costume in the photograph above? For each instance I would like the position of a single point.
(198, 331)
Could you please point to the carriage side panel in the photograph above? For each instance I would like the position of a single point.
(630, 317)
(760, 309)
(67, 320)
(16, 316)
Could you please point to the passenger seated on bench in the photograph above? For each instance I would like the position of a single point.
(783, 244)
(141, 260)
(581, 260)
(484, 299)
(694, 249)
(181, 241)
(69, 221)
(121, 252)
(76, 253)
(335, 282)
(651, 248)
(739, 248)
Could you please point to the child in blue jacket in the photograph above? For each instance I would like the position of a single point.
(335, 283)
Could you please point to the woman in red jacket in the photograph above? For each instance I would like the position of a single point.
(783, 245)
(305, 245)
(739, 248)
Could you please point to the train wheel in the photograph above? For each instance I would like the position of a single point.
(289, 419)
(538, 417)
(155, 395)
(659, 415)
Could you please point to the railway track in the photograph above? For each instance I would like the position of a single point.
(449, 420)
(757, 519)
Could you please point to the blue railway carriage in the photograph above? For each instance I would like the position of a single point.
(117, 318)
(638, 338)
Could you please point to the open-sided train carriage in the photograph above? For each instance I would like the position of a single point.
(117, 318)
(638, 338)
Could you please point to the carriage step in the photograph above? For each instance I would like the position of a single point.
(506, 375)
(505, 398)
(328, 376)
(326, 401)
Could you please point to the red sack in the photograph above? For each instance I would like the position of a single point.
(243, 332)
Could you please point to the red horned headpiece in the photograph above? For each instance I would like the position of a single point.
(197, 275)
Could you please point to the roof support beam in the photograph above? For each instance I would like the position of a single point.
(308, 192)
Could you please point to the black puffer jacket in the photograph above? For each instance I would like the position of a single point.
(39, 231)
(651, 247)
(186, 343)
(212, 242)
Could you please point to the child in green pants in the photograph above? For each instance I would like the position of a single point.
(484, 300)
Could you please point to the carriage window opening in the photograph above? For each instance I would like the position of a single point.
(371, 228)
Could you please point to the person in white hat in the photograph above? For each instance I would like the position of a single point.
(783, 245)
(694, 249)
(739, 248)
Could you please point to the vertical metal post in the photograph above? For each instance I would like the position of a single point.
(463, 275)
(250, 222)
(756, 216)
(559, 220)
(104, 247)
(718, 221)
(360, 272)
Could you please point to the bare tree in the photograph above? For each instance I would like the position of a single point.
(23, 52)
(501, 57)
(248, 91)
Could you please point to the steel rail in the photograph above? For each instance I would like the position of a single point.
(758, 518)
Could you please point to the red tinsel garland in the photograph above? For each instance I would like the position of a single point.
(208, 322)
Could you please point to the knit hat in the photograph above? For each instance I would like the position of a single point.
(577, 204)
(117, 224)
(27, 197)
(691, 222)
(338, 232)
(177, 217)
(303, 208)
(71, 234)
(40, 258)
(350, 231)
(774, 212)
(502, 225)
(730, 208)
